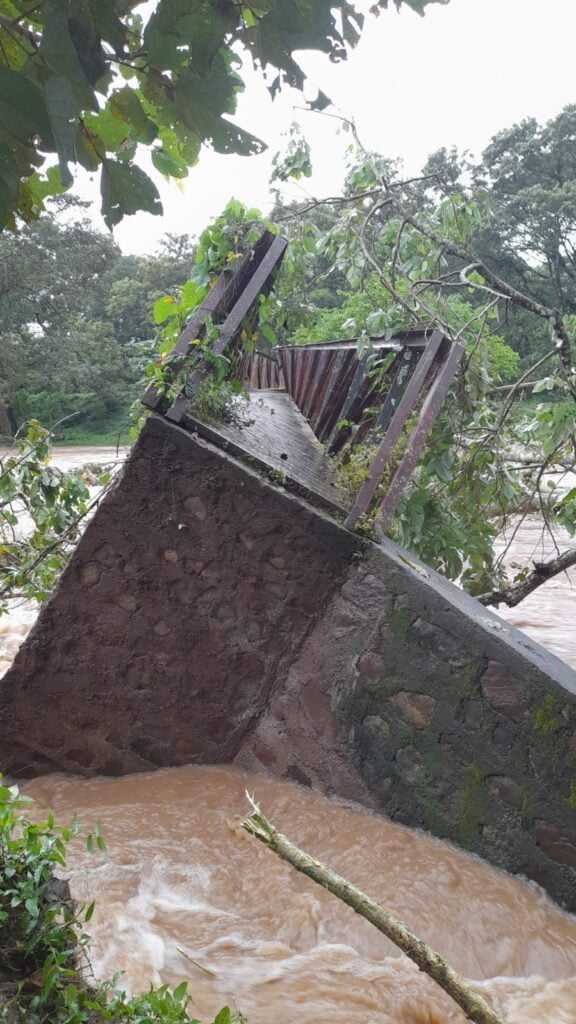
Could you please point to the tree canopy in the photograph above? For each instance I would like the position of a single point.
(93, 82)
(76, 322)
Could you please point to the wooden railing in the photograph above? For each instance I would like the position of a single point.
(352, 398)
(349, 393)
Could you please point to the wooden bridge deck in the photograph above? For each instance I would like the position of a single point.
(274, 435)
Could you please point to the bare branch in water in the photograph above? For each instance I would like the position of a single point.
(542, 572)
(473, 1005)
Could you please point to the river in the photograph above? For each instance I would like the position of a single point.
(182, 892)
(180, 881)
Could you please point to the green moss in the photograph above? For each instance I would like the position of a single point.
(463, 683)
(400, 621)
(276, 476)
(404, 735)
(433, 818)
(544, 719)
(471, 801)
(528, 807)
(220, 403)
(366, 524)
(353, 466)
(546, 726)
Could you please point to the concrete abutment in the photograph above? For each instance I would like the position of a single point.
(209, 616)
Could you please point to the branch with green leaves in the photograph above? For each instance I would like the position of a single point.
(90, 83)
(42, 510)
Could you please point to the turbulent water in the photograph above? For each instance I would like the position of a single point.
(182, 892)
(548, 614)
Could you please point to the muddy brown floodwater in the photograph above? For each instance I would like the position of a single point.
(182, 892)
(181, 882)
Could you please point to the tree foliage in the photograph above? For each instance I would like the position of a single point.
(412, 253)
(88, 82)
(76, 322)
(41, 512)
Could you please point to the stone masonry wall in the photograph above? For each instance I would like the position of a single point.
(186, 600)
(455, 721)
(208, 616)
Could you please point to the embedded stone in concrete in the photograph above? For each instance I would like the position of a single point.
(506, 790)
(409, 763)
(436, 639)
(558, 846)
(196, 506)
(416, 708)
(370, 667)
(90, 574)
(505, 692)
(106, 555)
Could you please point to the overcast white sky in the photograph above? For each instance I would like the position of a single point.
(456, 76)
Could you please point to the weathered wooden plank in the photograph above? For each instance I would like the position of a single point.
(252, 279)
(272, 432)
(418, 434)
(390, 439)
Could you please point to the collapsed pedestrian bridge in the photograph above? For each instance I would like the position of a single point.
(222, 607)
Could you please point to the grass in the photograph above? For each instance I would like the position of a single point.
(116, 433)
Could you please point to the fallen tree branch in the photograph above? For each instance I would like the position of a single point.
(542, 572)
(473, 1005)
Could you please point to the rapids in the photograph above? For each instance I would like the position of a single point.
(182, 891)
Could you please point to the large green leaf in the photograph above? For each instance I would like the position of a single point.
(59, 53)
(230, 138)
(63, 113)
(89, 147)
(125, 106)
(45, 183)
(22, 110)
(167, 165)
(186, 33)
(108, 24)
(126, 189)
(200, 101)
(86, 39)
(108, 128)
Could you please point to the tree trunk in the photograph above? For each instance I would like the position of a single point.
(11, 418)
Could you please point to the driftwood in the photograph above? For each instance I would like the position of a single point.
(542, 572)
(475, 1008)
